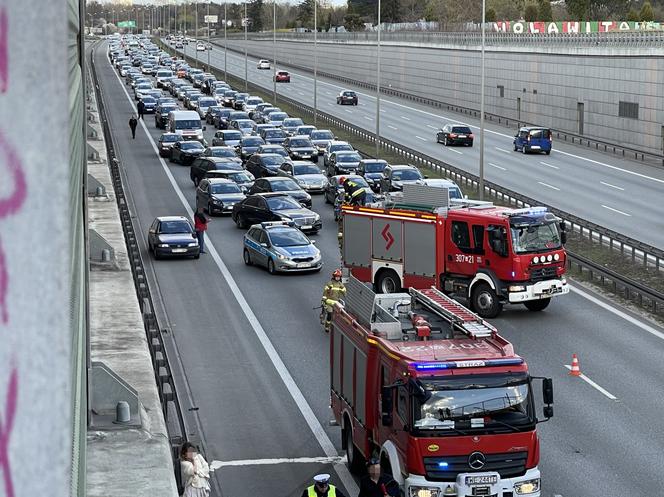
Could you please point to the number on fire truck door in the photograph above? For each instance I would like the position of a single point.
(464, 254)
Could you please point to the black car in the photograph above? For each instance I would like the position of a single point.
(229, 98)
(263, 165)
(240, 99)
(248, 146)
(223, 152)
(218, 195)
(211, 112)
(161, 114)
(220, 118)
(452, 134)
(243, 179)
(264, 207)
(347, 97)
(172, 236)
(166, 142)
(201, 166)
(300, 147)
(394, 177)
(274, 136)
(343, 161)
(269, 148)
(282, 185)
(184, 152)
(372, 171)
(150, 104)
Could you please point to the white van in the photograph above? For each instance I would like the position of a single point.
(186, 123)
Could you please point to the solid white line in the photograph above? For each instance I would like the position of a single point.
(295, 392)
(503, 150)
(548, 165)
(612, 186)
(405, 118)
(432, 127)
(368, 118)
(392, 127)
(420, 138)
(497, 166)
(616, 210)
(594, 385)
(549, 186)
(265, 462)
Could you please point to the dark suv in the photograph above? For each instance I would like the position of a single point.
(201, 166)
(452, 134)
(261, 165)
(347, 97)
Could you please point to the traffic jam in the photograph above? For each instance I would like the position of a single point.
(419, 383)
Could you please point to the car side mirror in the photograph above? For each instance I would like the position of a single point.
(264, 245)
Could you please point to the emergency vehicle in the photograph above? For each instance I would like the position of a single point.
(475, 250)
(435, 393)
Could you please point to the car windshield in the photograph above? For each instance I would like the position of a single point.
(273, 160)
(254, 101)
(245, 123)
(288, 237)
(464, 130)
(340, 146)
(356, 179)
(482, 402)
(535, 237)
(349, 94)
(149, 100)
(349, 158)
(252, 142)
(207, 102)
(170, 138)
(282, 203)
(175, 227)
(188, 124)
(275, 133)
(305, 169)
(235, 135)
(224, 188)
(240, 177)
(322, 135)
(278, 116)
(293, 122)
(223, 152)
(191, 145)
(406, 175)
(374, 167)
(300, 143)
(284, 185)
(166, 108)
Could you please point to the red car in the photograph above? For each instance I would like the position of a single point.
(282, 77)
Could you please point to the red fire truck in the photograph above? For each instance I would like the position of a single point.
(487, 254)
(434, 392)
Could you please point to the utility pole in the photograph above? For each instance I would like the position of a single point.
(378, 87)
(482, 105)
(209, 47)
(225, 43)
(315, 61)
(274, 48)
(246, 71)
(196, 34)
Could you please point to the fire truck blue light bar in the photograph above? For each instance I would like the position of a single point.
(433, 366)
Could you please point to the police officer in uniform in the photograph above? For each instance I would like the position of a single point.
(322, 488)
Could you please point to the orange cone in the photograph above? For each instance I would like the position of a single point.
(576, 370)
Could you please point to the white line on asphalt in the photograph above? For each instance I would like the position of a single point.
(503, 150)
(295, 392)
(405, 118)
(616, 210)
(549, 186)
(265, 462)
(301, 93)
(368, 118)
(594, 385)
(453, 150)
(432, 127)
(497, 166)
(363, 105)
(612, 186)
(346, 110)
(548, 165)
(392, 127)
(420, 138)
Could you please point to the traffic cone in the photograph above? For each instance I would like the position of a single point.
(576, 370)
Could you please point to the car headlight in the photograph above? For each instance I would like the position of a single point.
(527, 487)
(217, 201)
(163, 245)
(317, 217)
(424, 491)
(192, 244)
(281, 257)
(517, 288)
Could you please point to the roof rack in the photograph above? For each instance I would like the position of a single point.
(457, 315)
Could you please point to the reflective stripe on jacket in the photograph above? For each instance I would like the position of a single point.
(331, 492)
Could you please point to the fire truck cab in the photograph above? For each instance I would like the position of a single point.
(487, 254)
(436, 393)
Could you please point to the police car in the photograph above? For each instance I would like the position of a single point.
(281, 247)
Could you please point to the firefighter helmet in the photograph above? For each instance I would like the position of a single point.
(336, 273)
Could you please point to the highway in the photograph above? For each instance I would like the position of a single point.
(619, 194)
(255, 360)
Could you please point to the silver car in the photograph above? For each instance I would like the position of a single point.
(306, 174)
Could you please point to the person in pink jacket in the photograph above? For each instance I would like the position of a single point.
(195, 472)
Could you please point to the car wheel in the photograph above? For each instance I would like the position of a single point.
(447, 142)
(516, 148)
(537, 305)
(548, 152)
(327, 200)
(240, 222)
(523, 150)
(270, 267)
(197, 256)
(247, 257)
(388, 282)
(485, 301)
(470, 144)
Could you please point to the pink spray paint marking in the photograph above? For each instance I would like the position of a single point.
(6, 429)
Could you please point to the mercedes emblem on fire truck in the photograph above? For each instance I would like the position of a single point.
(476, 460)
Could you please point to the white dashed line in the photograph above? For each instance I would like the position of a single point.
(392, 127)
(503, 150)
(612, 186)
(346, 110)
(405, 118)
(497, 166)
(548, 165)
(368, 118)
(549, 186)
(452, 150)
(420, 138)
(432, 127)
(594, 385)
(616, 210)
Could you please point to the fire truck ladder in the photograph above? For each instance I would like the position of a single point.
(453, 312)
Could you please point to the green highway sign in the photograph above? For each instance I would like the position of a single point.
(127, 24)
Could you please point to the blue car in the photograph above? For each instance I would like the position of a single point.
(280, 247)
(533, 139)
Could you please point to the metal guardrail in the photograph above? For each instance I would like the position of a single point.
(170, 404)
(567, 136)
(638, 251)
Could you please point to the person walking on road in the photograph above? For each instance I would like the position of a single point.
(322, 488)
(332, 293)
(195, 472)
(374, 484)
(140, 106)
(133, 122)
(200, 226)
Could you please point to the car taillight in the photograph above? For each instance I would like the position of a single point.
(471, 136)
(453, 135)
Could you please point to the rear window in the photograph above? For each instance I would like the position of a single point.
(224, 188)
(540, 133)
(236, 135)
(170, 138)
(462, 130)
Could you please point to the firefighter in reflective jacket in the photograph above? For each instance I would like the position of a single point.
(355, 193)
(332, 293)
(322, 488)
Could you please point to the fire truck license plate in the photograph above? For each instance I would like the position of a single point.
(482, 480)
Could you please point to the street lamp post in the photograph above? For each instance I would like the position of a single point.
(315, 61)
(196, 33)
(209, 47)
(378, 86)
(246, 72)
(481, 185)
(274, 48)
(225, 43)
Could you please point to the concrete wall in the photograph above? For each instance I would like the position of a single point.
(543, 86)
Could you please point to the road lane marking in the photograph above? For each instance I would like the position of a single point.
(420, 138)
(503, 150)
(453, 150)
(392, 127)
(288, 381)
(432, 127)
(616, 210)
(346, 110)
(497, 166)
(368, 118)
(405, 118)
(284, 460)
(612, 186)
(549, 186)
(594, 385)
(548, 165)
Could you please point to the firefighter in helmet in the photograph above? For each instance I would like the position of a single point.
(332, 293)
(355, 193)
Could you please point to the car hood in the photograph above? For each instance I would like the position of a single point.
(298, 251)
(311, 178)
(176, 238)
(302, 149)
(297, 194)
(250, 148)
(296, 213)
(228, 197)
(192, 152)
(232, 143)
(347, 165)
(321, 143)
(373, 176)
(275, 140)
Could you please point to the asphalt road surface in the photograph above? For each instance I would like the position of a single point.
(255, 360)
(619, 194)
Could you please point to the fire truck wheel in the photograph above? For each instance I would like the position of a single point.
(388, 282)
(485, 301)
(353, 455)
(537, 305)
